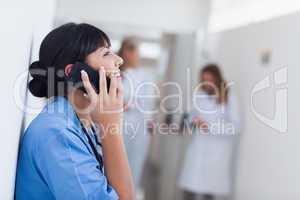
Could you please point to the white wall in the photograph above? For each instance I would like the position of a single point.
(169, 148)
(19, 20)
(268, 161)
(228, 14)
(168, 15)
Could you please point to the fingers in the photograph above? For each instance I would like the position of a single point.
(87, 84)
(113, 86)
(120, 89)
(116, 86)
(102, 82)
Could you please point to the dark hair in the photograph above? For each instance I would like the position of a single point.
(64, 45)
(220, 82)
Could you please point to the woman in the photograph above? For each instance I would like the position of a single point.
(215, 118)
(60, 154)
(136, 135)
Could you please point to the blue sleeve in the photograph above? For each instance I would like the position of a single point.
(69, 169)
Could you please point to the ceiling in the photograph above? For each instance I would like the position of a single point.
(228, 14)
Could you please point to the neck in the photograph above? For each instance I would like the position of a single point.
(79, 103)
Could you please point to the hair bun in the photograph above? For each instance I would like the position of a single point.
(38, 85)
(35, 69)
(38, 88)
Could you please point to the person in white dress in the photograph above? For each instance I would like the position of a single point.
(208, 165)
(136, 117)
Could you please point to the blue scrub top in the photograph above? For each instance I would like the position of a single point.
(56, 161)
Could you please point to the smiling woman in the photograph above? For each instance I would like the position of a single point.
(60, 155)
(66, 45)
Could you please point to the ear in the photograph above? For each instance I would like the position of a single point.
(68, 69)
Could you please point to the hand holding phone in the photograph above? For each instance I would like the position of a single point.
(74, 76)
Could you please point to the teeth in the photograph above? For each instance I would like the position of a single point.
(114, 73)
(119, 63)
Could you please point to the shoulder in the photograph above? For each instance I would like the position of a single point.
(201, 96)
(45, 122)
(201, 93)
(232, 97)
(46, 128)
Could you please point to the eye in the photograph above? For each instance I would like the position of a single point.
(107, 53)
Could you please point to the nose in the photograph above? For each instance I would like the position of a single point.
(119, 61)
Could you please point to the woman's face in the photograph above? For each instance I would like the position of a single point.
(104, 57)
(132, 57)
(208, 83)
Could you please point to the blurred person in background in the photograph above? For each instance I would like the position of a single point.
(136, 115)
(215, 120)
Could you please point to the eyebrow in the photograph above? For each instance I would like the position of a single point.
(102, 48)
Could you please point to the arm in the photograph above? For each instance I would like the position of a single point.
(108, 115)
(234, 112)
(116, 165)
(69, 170)
(195, 120)
(231, 118)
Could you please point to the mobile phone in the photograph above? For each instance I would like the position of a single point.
(74, 76)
